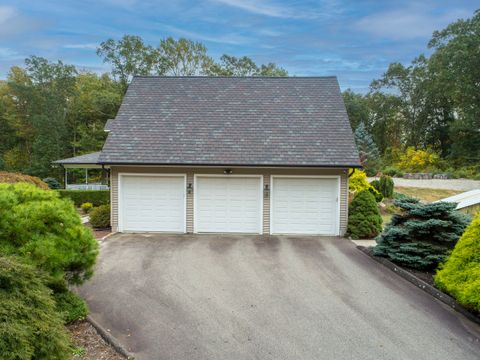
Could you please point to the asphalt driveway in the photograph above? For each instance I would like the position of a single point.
(245, 297)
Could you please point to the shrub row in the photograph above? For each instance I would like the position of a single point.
(96, 197)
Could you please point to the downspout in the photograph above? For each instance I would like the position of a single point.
(350, 174)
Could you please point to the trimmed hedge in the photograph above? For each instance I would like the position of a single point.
(460, 274)
(96, 197)
(12, 178)
(30, 326)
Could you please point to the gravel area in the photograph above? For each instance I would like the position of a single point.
(451, 184)
(90, 344)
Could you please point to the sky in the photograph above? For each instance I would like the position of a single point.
(354, 40)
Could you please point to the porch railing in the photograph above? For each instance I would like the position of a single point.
(87, 187)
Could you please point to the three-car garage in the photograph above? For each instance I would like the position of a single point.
(219, 203)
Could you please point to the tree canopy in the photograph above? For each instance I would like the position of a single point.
(52, 110)
(431, 104)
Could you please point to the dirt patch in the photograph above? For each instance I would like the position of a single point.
(90, 344)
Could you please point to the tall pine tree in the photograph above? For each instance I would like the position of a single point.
(368, 151)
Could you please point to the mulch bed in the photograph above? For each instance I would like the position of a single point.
(90, 344)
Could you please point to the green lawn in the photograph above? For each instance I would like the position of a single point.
(426, 195)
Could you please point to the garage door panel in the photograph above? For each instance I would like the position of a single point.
(304, 206)
(153, 203)
(228, 204)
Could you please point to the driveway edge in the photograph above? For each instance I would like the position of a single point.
(110, 339)
(433, 291)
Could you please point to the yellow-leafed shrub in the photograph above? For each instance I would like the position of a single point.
(460, 274)
(358, 182)
(418, 160)
(11, 178)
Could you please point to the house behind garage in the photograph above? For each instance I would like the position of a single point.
(230, 155)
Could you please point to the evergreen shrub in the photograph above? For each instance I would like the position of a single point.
(385, 186)
(30, 326)
(364, 220)
(421, 235)
(47, 231)
(52, 183)
(460, 274)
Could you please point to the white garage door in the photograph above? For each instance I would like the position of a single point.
(304, 206)
(152, 203)
(228, 204)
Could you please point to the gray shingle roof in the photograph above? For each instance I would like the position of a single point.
(258, 121)
(86, 159)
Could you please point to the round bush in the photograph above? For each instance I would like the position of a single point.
(47, 231)
(52, 183)
(364, 220)
(100, 217)
(460, 274)
(86, 207)
(30, 327)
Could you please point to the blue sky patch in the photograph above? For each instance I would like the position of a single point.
(354, 40)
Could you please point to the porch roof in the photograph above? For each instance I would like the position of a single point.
(82, 161)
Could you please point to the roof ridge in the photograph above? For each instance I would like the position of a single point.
(233, 77)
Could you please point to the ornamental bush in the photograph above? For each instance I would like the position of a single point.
(358, 182)
(421, 235)
(100, 216)
(364, 220)
(86, 207)
(47, 231)
(52, 183)
(30, 326)
(460, 274)
(96, 197)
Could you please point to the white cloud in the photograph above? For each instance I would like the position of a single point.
(88, 46)
(261, 7)
(408, 23)
(6, 13)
